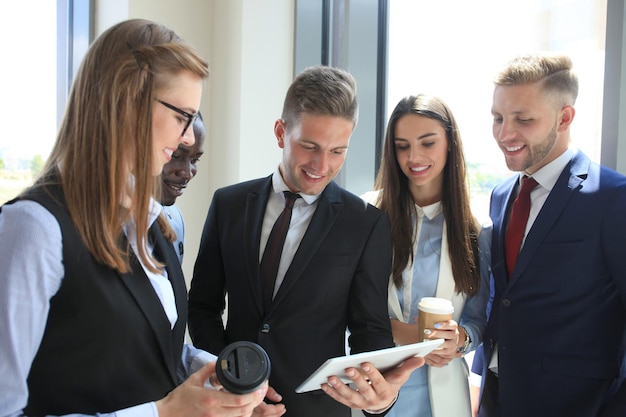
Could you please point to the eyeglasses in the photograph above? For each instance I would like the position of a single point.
(190, 117)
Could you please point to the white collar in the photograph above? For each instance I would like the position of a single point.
(548, 175)
(278, 185)
(430, 211)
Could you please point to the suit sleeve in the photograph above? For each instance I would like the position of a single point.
(368, 318)
(207, 292)
(614, 246)
(474, 315)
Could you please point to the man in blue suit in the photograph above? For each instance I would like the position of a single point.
(555, 344)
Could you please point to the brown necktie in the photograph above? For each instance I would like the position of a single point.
(517, 223)
(274, 249)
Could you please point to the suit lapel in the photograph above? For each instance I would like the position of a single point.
(569, 181)
(329, 206)
(165, 252)
(500, 204)
(256, 202)
(142, 291)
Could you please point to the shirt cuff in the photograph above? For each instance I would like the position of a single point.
(199, 360)
(141, 410)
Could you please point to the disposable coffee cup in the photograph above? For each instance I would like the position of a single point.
(242, 367)
(433, 310)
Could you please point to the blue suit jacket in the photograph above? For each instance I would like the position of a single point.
(559, 321)
(337, 278)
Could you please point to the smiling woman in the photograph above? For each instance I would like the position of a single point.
(85, 253)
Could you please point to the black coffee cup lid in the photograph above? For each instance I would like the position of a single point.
(242, 367)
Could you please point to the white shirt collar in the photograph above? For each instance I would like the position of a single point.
(278, 184)
(431, 211)
(548, 175)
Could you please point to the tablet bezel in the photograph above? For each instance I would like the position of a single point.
(383, 360)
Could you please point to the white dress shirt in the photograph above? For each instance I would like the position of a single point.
(302, 214)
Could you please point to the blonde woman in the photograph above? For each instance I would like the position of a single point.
(93, 303)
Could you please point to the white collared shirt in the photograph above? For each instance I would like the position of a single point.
(546, 177)
(302, 214)
(159, 281)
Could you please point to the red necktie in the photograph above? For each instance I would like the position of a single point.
(274, 249)
(517, 223)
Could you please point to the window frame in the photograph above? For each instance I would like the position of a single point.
(75, 22)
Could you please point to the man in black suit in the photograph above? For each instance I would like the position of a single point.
(333, 272)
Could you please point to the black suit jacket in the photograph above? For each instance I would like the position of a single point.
(559, 320)
(338, 279)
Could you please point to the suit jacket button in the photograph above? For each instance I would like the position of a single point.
(506, 302)
(265, 328)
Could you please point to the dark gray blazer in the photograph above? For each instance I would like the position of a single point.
(338, 279)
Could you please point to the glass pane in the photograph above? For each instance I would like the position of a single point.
(453, 48)
(28, 85)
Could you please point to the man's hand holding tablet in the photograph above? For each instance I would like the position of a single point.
(375, 377)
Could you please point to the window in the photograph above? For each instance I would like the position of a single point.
(48, 41)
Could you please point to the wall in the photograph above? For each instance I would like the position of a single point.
(249, 46)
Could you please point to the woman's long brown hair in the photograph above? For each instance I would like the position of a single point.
(396, 199)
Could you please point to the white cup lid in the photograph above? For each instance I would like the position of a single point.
(435, 305)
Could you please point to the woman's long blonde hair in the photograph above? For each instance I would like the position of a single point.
(103, 151)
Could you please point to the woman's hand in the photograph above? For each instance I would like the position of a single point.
(405, 333)
(454, 337)
(192, 399)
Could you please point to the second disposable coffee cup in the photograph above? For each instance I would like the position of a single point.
(433, 310)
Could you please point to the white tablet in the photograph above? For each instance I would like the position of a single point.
(383, 360)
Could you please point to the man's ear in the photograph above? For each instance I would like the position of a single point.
(567, 116)
(279, 132)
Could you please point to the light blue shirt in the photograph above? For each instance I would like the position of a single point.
(175, 218)
(414, 398)
(31, 256)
